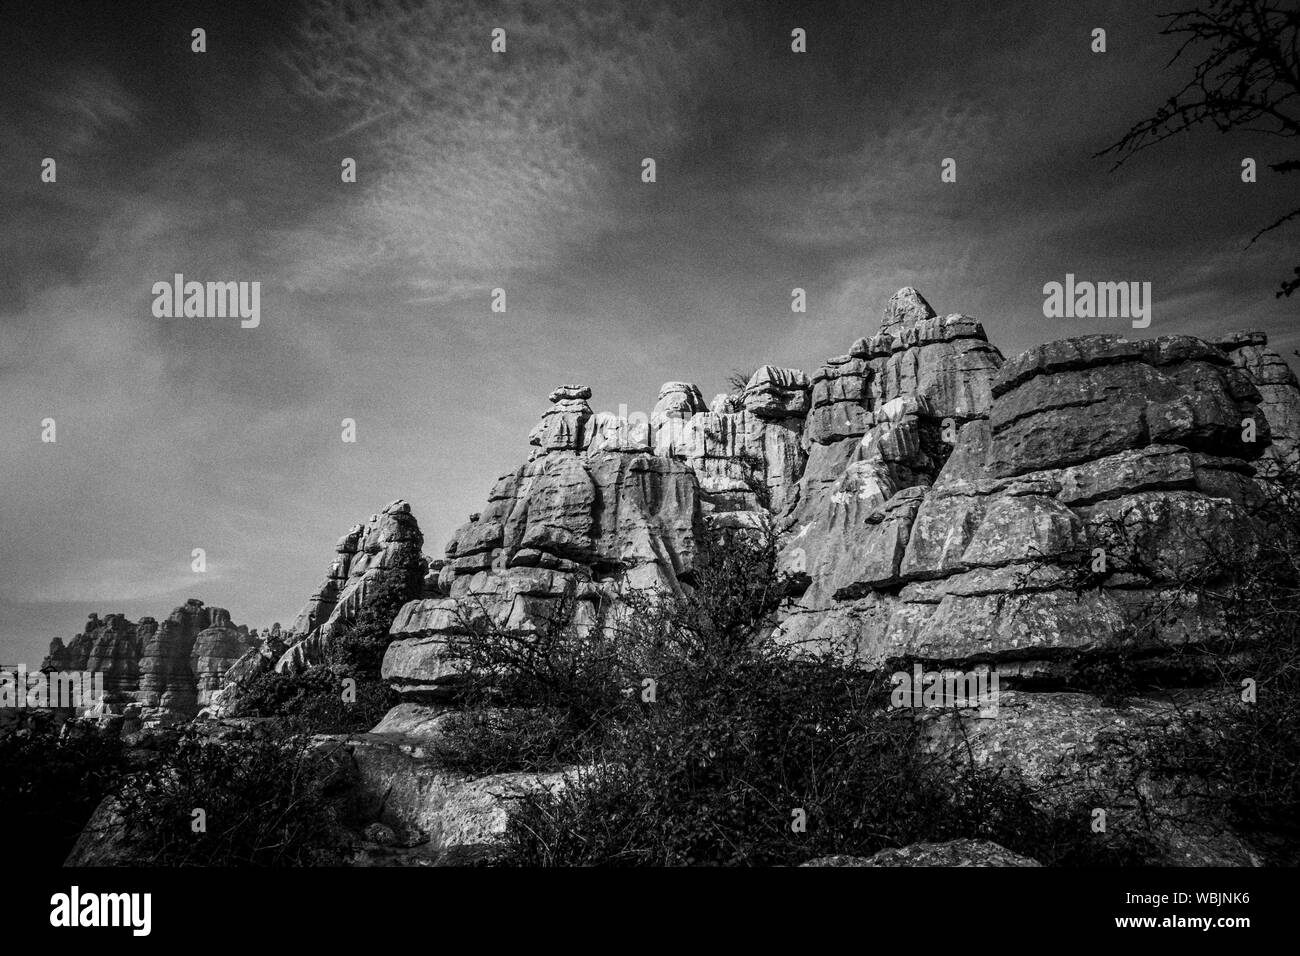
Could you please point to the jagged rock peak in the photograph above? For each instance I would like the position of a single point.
(679, 400)
(563, 426)
(905, 307)
(776, 393)
(574, 392)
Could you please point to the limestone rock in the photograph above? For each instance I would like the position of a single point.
(1277, 384)
(166, 670)
(382, 554)
(1086, 398)
(777, 393)
(402, 783)
(954, 552)
(564, 427)
(951, 853)
(216, 649)
(906, 307)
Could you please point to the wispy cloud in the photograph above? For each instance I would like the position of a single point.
(87, 105)
(115, 581)
(477, 168)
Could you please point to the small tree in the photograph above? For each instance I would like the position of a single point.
(738, 380)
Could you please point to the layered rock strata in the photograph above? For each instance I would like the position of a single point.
(168, 670)
(932, 497)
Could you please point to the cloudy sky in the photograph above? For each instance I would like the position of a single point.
(522, 171)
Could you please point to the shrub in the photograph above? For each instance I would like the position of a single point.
(360, 649)
(715, 770)
(566, 684)
(313, 701)
(700, 738)
(482, 739)
(1233, 760)
(265, 801)
(51, 780)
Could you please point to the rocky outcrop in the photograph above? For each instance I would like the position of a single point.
(935, 502)
(110, 646)
(957, 553)
(951, 853)
(377, 564)
(382, 555)
(746, 453)
(1278, 388)
(167, 670)
(591, 513)
(933, 498)
(402, 807)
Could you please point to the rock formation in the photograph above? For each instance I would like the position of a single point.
(1278, 388)
(384, 552)
(167, 671)
(377, 561)
(934, 501)
(929, 493)
(947, 556)
(593, 511)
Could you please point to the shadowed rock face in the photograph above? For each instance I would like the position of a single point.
(379, 555)
(385, 551)
(167, 670)
(1278, 388)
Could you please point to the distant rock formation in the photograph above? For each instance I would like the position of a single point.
(165, 671)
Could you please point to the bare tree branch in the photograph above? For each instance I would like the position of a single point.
(1248, 80)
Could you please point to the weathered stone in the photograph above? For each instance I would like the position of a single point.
(952, 853)
(1277, 384)
(382, 555)
(1123, 400)
(166, 672)
(906, 306)
(777, 393)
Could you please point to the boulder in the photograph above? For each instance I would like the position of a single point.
(951, 853)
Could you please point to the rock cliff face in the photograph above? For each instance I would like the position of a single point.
(384, 552)
(168, 670)
(592, 512)
(379, 560)
(931, 495)
(951, 556)
(1278, 387)
(934, 502)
